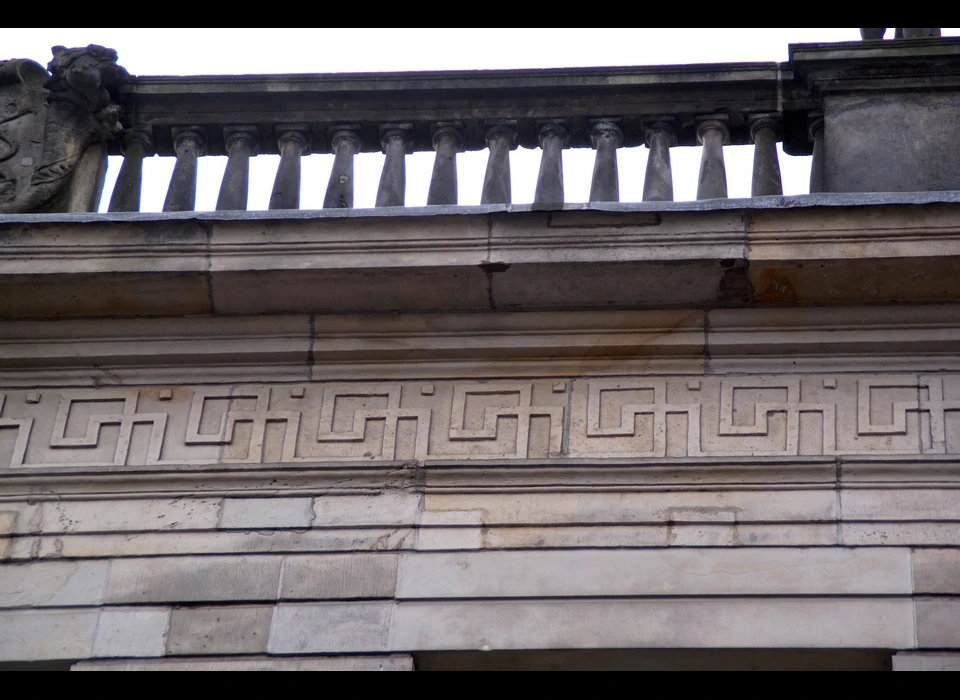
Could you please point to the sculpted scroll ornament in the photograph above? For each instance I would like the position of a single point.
(48, 124)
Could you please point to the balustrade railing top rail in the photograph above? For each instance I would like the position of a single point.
(473, 98)
(88, 107)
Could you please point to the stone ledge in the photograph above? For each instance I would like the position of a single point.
(732, 255)
(852, 472)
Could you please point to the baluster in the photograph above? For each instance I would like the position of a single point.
(815, 134)
(658, 181)
(126, 192)
(86, 184)
(241, 143)
(554, 137)
(712, 133)
(765, 132)
(501, 139)
(346, 144)
(293, 141)
(397, 141)
(606, 138)
(447, 140)
(182, 193)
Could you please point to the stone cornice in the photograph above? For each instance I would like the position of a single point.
(299, 348)
(924, 64)
(853, 249)
(516, 476)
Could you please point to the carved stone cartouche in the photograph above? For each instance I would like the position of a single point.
(48, 121)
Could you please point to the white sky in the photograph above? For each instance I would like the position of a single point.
(237, 51)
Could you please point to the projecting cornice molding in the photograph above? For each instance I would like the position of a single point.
(817, 250)
(300, 348)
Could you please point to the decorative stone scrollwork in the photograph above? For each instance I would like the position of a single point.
(52, 127)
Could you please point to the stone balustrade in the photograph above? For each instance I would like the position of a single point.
(447, 129)
(813, 104)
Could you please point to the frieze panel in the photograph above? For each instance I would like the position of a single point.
(538, 419)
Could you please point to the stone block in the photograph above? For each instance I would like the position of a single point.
(731, 623)
(900, 534)
(434, 538)
(333, 576)
(655, 572)
(430, 518)
(390, 508)
(815, 505)
(193, 579)
(551, 260)
(691, 535)
(394, 662)
(900, 504)
(42, 296)
(50, 517)
(925, 661)
(266, 513)
(7, 520)
(321, 628)
(38, 635)
(938, 623)
(64, 583)
(920, 132)
(237, 629)
(138, 632)
(335, 274)
(936, 571)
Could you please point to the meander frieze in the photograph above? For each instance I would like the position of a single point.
(628, 417)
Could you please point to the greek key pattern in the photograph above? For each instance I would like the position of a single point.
(654, 417)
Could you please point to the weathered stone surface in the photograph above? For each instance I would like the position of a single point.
(900, 504)
(392, 507)
(53, 584)
(695, 572)
(725, 506)
(394, 662)
(938, 623)
(35, 635)
(936, 570)
(193, 579)
(680, 623)
(689, 535)
(126, 515)
(432, 538)
(900, 534)
(918, 128)
(331, 628)
(237, 629)
(607, 256)
(7, 520)
(137, 632)
(266, 513)
(332, 576)
(878, 338)
(35, 296)
(925, 661)
(170, 543)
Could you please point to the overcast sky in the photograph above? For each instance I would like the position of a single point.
(237, 51)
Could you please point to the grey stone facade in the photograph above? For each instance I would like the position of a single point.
(655, 435)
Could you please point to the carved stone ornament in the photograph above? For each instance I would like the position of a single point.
(48, 124)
